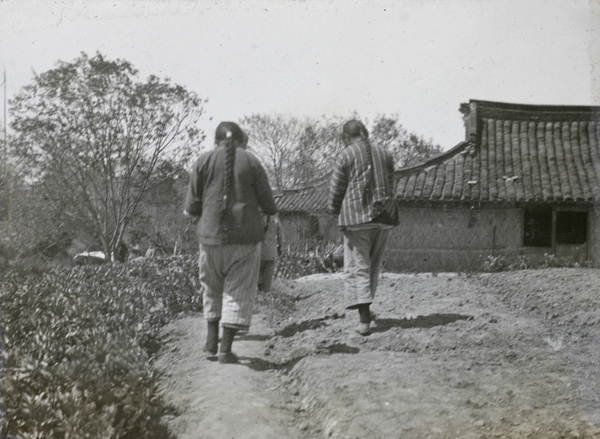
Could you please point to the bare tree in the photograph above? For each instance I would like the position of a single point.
(90, 135)
(299, 153)
(407, 148)
(295, 152)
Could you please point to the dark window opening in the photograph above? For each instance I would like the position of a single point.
(571, 227)
(538, 227)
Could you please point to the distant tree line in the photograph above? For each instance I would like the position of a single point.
(299, 152)
(97, 159)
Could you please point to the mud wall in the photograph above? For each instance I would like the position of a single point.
(300, 229)
(453, 238)
(447, 238)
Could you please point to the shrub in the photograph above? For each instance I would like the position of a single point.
(495, 264)
(311, 258)
(78, 347)
(552, 261)
(504, 263)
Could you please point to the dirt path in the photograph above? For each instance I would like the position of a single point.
(508, 355)
(217, 401)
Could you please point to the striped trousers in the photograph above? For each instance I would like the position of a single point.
(363, 254)
(228, 281)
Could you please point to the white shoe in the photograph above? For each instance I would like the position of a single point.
(363, 329)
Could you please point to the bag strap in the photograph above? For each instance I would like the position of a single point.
(371, 184)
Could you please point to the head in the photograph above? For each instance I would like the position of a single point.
(230, 131)
(353, 130)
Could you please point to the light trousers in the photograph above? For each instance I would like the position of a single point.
(228, 280)
(363, 255)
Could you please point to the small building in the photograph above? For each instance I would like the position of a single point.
(304, 218)
(524, 183)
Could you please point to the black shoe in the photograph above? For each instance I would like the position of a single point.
(209, 351)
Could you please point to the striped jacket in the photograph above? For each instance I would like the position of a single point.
(351, 191)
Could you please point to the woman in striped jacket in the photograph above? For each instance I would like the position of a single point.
(363, 174)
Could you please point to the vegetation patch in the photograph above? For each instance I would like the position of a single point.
(79, 346)
(495, 264)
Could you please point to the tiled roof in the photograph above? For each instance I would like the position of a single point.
(311, 199)
(514, 153)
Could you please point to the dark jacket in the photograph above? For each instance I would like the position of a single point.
(242, 224)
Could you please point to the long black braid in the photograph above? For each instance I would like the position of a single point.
(228, 135)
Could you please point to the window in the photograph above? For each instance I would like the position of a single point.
(538, 227)
(571, 227)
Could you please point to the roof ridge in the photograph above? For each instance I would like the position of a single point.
(460, 147)
(534, 107)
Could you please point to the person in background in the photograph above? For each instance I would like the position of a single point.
(362, 174)
(271, 249)
(228, 190)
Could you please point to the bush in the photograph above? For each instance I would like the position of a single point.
(503, 263)
(317, 257)
(78, 347)
(551, 261)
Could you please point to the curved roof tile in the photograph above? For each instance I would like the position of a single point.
(515, 153)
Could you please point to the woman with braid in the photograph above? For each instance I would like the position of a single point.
(228, 190)
(363, 173)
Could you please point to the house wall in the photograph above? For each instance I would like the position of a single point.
(300, 229)
(453, 239)
(329, 229)
(447, 238)
(594, 233)
(296, 227)
(460, 239)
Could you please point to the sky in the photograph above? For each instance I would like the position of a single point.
(419, 59)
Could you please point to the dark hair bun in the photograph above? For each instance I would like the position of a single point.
(355, 128)
(229, 130)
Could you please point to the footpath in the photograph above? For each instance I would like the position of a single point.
(504, 355)
(232, 401)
